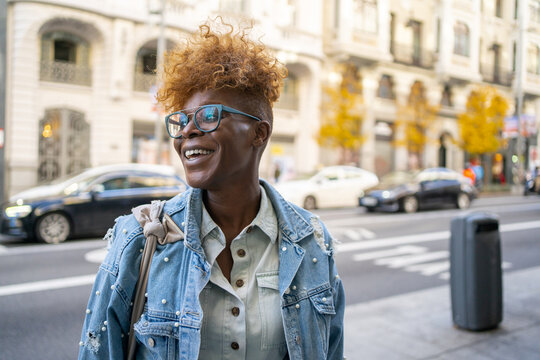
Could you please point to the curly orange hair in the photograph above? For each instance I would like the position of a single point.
(211, 59)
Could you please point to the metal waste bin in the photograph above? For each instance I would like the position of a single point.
(475, 271)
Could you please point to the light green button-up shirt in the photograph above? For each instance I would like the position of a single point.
(242, 319)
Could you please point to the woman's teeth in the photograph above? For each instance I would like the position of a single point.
(190, 153)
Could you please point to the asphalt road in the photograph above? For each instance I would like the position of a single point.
(44, 288)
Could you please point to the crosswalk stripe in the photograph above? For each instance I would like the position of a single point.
(429, 269)
(47, 285)
(410, 249)
(402, 261)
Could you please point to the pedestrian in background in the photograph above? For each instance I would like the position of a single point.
(254, 276)
(469, 173)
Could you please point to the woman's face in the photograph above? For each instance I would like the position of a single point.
(226, 155)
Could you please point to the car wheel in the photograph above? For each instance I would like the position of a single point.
(53, 228)
(463, 201)
(410, 204)
(310, 203)
(370, 209)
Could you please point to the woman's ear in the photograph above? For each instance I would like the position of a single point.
(262, 133)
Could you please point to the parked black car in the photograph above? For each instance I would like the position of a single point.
(87, 204)
(409, 191)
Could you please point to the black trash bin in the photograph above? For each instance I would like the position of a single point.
(475, 271)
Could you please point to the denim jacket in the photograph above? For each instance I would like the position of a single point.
(312, 296)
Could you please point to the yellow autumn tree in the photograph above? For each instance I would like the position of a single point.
(413, 120)
(342, 116)
(482, 122)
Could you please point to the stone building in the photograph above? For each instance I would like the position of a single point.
(80, 75)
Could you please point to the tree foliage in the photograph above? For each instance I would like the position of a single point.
(413, 120)
(482, 122)
(342, 116)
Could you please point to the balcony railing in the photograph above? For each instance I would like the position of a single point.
(498, 76)
(65, 72)
(406, 54)
(143, 82)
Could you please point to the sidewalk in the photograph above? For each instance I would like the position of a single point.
(419, 326)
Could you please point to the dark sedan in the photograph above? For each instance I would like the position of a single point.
(410, 191)
(87, 204)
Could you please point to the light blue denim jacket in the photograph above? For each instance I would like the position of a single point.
(312, 296)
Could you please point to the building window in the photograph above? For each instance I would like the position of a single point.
(289, 98)
(64, 144)
(365, 15)
(446, 98)
(534, 9)
(386, 87)
(533, 59)
(145, 69)
(498, 8)
(65, 58)
(461, 39)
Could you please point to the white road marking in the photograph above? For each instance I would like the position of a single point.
(429, 269)
(96, 256)
(47, 285)
(416, 238)
(392, 252)
(402, 261)
(358, 234)
(39, 249)
(446, 275)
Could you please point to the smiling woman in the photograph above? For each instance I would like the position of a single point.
(246, 253)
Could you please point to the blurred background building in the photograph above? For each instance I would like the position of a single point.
(80, 77)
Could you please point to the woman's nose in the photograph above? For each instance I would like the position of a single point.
(191, 130)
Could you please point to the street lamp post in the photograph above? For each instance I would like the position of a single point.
(518, 95)
(158, 129)
(3, 69)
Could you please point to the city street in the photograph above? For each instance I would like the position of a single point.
(44, 288)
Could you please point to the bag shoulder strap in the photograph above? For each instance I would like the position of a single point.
(155, 231)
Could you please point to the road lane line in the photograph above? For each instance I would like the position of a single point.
(429, 269)
(417, 238)
(39, 249)
(402, 261)
(392, 252)
(47, 285)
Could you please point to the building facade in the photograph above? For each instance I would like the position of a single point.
(81, 76)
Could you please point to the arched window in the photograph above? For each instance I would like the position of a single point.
(461, 39)
(65, 58)
(446, 98)
(64, 144)
(146, 64)
(289, 98)
(386, 87)
(365, 15)
(145, 68)
(533, 59)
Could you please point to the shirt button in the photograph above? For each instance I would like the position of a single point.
(235, 345)
(241, 252)
(235, 311)
(239, 283)
(151, 342)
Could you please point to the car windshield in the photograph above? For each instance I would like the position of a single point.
(71, 183)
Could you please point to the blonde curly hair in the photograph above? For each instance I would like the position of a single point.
(211, 59)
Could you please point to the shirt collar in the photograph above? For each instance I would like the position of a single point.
(265, 219)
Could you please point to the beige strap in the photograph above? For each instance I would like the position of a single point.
(155, 231)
